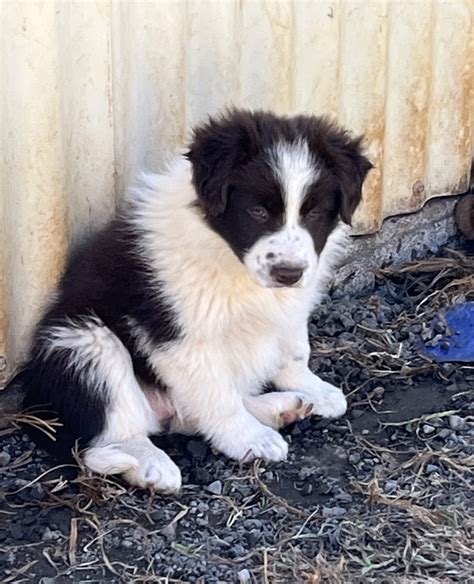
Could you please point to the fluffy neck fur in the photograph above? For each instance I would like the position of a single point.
(198, 271)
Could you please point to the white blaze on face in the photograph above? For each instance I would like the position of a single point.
(295, 169)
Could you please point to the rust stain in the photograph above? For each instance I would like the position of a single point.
(54, 237)
(419, 195)
(467, 111)
(369, 217)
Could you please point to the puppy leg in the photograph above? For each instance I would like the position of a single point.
(101, 367)
(279, 409)
(204, 393)
(294, 375)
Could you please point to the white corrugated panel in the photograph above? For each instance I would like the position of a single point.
(93, 91)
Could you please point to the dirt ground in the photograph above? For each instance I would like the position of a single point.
(383, 495)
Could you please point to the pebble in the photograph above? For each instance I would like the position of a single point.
(305, 472)
(169, 531)
(457, 423)
(16, 531)
(448, 368)
(253, 537)
(51, 534)
(307, 489)
(4, 458)
(253, 524)
(244, 576)
(344, 497)
(215, 488)
(390, 486)
(357, 413)
(354, 458)
(444, 433)
(333, 511)
(428, 428)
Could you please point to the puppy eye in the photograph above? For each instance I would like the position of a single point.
(314, 214)
(258, 213)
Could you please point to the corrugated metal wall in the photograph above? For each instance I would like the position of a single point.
(94, 90)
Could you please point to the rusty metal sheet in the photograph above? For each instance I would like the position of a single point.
(95, 91)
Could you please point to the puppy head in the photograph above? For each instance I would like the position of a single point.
(275, 187)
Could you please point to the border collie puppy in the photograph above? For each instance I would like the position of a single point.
(199, 294)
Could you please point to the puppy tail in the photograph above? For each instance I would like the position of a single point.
(39, 422)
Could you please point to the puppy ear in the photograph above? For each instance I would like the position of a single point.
(217, 150)
(350, 167)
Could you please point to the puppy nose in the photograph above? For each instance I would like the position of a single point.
(287, 274)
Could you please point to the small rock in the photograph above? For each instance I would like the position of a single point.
(253, 537)
(305, 472)
(245, 577)
(334, 511)
(357, 413)
(439, 327)
(354, 458)
(379, 391)
(448, 368)
(444, 433)
(202, 476)
(4, 458)
(239, 550)
(215, 488)
(344, 497)
(364, 432)
(202, 507)
(390, 486)
(253, 524)
(428, 428)
(307, 489)
(51, 535)
(16, 531)
(430, 468)
(127, 544)
(169, 531)
(457, 423)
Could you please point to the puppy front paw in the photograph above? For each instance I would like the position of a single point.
(250, 440)
(328, 401)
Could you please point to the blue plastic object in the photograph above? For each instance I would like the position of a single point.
(459, 346)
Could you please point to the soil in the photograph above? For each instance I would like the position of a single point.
(381, 495)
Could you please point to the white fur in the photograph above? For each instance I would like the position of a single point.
(234, 330)
(95, 353)
(295, 169)
(139, 460)
(278, 409)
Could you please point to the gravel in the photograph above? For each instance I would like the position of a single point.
(381, 495)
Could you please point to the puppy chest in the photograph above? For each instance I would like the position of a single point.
(252, 356)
